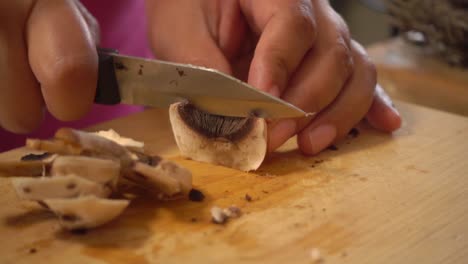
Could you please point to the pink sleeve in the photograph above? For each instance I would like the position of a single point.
(123, 27)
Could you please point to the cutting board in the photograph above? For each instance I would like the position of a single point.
(377, 198)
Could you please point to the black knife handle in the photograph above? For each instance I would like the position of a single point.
(107, 91)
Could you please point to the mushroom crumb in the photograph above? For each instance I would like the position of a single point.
(196, 195)
(217, 215)
(248, 198)
(316, 256)
(220, 216)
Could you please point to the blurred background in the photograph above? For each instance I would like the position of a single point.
(366, 19)
(427, 64)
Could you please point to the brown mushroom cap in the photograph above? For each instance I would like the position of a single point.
(235, 142)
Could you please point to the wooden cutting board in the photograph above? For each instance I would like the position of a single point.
(377, 199)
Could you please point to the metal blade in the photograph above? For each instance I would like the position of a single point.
(158, 83)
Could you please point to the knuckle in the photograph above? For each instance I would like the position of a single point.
(372, 71)
(70, 68)
(341, 26)
(342, 55)
(304, 20)
(280, 63)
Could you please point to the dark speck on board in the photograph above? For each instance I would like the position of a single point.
(181, 72)
(32, 250)
(140, 72)
(81, 231)
(196, 195)
(333, 148)
(120, 66)
(354, 132)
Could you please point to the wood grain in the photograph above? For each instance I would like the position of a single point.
(377, 199)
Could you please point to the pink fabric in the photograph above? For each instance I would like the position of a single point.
(123, 27)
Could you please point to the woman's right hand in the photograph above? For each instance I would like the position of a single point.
(47, 59)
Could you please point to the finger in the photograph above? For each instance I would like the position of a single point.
(346, 111)
(188, 40)
(20, 97)
(320, 78)
(63, 57)
(382, 114)
(314, 87)
(286, 36)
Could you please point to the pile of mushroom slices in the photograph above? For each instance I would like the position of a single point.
(78, 175)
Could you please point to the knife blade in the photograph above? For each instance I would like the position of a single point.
(155, 83)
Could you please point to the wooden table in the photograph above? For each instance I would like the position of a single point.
(377, 199)
(413, 74)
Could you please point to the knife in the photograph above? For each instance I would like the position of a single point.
(155, 83)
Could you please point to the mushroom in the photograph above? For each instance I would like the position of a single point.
(85, 212)
(73, 142)
(235, 142)
(166, 177)
(69, 186)
(14, 168)
(102, 171)
(123, 141)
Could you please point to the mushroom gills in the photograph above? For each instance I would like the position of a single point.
(235, 142)
(69, 186)
(85, 212)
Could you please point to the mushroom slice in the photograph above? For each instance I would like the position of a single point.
(57, 187)
(123, 141)
(85, 212)
(93, 144)
(166, 177)
(26, 168)
(102, 171)
(53, 146)
(235, 142)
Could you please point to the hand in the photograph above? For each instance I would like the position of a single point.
(47, 57)
(298, 50)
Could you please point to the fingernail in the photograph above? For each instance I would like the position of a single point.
(321, 137)
(280, 132)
